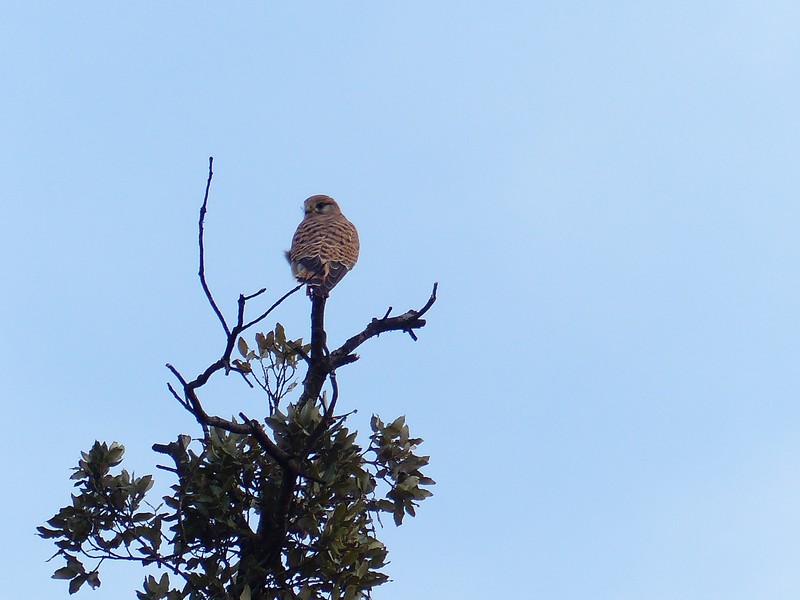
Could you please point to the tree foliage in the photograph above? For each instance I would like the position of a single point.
(285, 507)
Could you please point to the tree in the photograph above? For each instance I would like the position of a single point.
(279, 508)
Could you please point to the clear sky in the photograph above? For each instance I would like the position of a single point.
(607, 192)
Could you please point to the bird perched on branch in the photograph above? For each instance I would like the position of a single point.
(324, 247)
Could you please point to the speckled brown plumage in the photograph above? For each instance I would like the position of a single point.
(324, 247)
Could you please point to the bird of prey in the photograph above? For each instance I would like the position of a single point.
(324, 247)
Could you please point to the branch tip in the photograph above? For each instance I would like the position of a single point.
(201, 243)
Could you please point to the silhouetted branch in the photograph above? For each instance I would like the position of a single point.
(190, 400)
(406, 322)
(321, 366)
(334, 395)
(271, 308)
(258, 293)
(299, 351)
(202, 271)
(243, 518)
(327, 415)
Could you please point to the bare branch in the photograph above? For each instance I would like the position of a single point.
(406, 322)
(319, 365)
(244, 376)
(258, 293)
(251, 427)
(430, 301)
(288, 468)
(271, 308)
(318, 335)
(334, 396)
(327, 416)
(202, 271)
(175, 372)
(182, 402)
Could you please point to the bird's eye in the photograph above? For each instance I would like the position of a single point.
(321, 206)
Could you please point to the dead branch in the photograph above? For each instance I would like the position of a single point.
(322, 364)
(407, 322)
(202, 271)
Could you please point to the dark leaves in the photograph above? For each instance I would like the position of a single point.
(219, 532)
(399, 467)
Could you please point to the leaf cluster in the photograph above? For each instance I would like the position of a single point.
(273, 363)
(104, 519)
(229, 529)
(398, 466)
(282, 508)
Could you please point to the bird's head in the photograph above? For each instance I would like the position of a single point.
(320, 205)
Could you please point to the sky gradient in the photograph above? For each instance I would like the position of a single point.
(606, 192)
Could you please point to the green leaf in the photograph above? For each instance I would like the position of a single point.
(375, 423)
(246, 593)
(163, 584)
(115, 454)
(64, 573)
(76, 583)
(305, 592)
(398, 423)
(350, 593)
(261, 342)
(242, 365)
(48, 533)
(93, 579)
(74, 564)
(409, 482)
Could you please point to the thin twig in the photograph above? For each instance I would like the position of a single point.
(334, 395)
(299, 351)
(202, 270)
(182, 402)
(430, 301)
(175, 372)
(271, 308)
(322, 364)
(244, 376)
(258, 293)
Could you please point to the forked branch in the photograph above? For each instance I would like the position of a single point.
(408, 322)
(322, 366)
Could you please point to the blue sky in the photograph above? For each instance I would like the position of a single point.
(607, 193)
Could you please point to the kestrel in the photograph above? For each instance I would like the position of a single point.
(324, 247)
